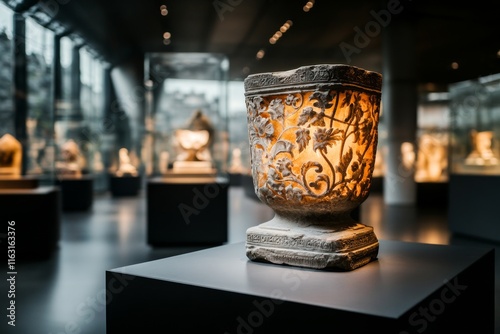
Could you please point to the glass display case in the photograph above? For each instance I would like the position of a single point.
(431, 164)
(80, 111)
(80, 167)
(40, 104)
(6, 71)
(186, 148)
(475, 157)
(475, 135)
(186, 114)
(26, 108)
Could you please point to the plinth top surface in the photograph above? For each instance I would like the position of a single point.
(404, 274)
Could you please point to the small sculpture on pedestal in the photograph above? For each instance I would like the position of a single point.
(70, 164)
(163, 163)
(194, 144)
(407, 155)
(482, 154)
(236, 166)
(10, 156)
(125, 167)
(432, 158)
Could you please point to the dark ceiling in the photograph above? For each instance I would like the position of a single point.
(447, 31)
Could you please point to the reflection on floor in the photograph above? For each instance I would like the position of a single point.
(65, 294)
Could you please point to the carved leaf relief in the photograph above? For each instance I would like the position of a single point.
(291, 124)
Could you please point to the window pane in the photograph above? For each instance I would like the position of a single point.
(6, 72)
(39, 57)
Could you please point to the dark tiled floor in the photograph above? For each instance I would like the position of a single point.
(65, 294)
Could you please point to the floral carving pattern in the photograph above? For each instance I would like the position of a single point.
(313, 144)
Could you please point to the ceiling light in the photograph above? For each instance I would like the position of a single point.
(278, 34)
(163, 10)
(308, 6)
(260, 54)
(454, 65)
(167, 35)
(167, 41)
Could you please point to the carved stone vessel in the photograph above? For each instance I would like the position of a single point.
(313, 135)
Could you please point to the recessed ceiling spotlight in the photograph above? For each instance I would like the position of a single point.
(454, 65)
(260, 54)
(163, 10)
(278, 34)
(308, 6)
(167, 35)
(167, 41)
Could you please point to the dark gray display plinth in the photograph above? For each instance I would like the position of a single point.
(36, 213)
(473, 205)
(77, 193)
(122, 186)
(412, 288)
(187, 211)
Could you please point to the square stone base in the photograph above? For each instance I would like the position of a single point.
(344, 247)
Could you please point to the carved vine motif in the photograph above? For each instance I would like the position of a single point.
(313, 144)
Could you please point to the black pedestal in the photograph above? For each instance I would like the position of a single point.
(473, 205)
(377, 185)
(432, 194)
(21, 182)
(77, 193)
(248, 187)
(124, 185)
(36, 213)
(235, 179)
(412, 288)
(187, 211)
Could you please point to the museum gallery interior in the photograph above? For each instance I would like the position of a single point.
(236, 166)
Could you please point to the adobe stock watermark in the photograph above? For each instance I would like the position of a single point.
(222, 6)
(430, 312)
(87, 310)
(262, 310)
(372, 29)
(200, 200)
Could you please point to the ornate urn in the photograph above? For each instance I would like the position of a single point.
(313, 135)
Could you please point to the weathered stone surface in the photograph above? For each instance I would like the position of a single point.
(344, 246)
